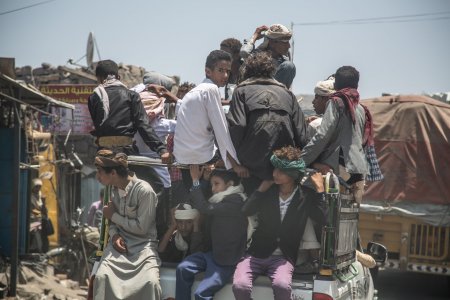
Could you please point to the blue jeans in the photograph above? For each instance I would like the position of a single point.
(285, 73)
(215, 276)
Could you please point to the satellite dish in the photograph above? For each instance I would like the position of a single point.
(90, 50)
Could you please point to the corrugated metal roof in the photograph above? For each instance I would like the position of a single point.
(28, 93)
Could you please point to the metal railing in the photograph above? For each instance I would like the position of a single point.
(429, 242)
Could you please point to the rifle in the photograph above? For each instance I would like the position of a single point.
(103, 241)
(104, 236)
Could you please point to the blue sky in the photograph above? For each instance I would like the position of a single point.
(174, 37)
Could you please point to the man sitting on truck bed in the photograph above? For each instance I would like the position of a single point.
(183, 237)
(225, 235)
(283, 210)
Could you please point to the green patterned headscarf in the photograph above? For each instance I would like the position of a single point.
(293, 168)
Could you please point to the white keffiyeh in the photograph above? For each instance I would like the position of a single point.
(238, 189)
(180, 243)
(111, 80)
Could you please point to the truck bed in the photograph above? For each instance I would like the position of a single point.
(262, 288)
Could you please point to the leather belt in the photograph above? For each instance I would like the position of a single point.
(114, 141)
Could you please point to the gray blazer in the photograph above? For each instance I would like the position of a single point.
(338, 133)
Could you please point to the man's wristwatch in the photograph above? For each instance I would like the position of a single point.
(195, 185)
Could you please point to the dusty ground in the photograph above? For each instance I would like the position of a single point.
(36, 285)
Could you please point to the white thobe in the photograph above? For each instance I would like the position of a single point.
(133, 275)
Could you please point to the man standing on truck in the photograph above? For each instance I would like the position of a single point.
(338, 142)
(277, 44)
(264, 115)
(118, 113)
(201, 121)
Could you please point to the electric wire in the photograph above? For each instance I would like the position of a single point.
(391, 19)
(25, 7)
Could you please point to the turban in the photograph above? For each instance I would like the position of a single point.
(107, 158)
(276, 32)
(185, 211)
(36, 182)
(293, 168)
(159, 79)
(325, 88)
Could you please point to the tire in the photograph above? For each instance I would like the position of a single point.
(65, 262)
(374, 274)
(448, 285)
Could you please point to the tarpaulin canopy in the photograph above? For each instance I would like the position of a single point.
(412, 143)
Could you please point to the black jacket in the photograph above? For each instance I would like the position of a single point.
(226, 227)
(126, 117)
(271, 232)
(264, 115)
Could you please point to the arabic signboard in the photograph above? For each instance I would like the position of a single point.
(76, 94)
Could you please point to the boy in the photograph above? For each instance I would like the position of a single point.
(283, 207)
(131, 251)
(225, 235)
(201, 121)
(183, 237)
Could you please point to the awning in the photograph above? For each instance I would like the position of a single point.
(27, 94)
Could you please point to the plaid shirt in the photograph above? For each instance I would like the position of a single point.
(374, 168)
(175, 173)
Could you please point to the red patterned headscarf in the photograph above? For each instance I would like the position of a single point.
(350, 98)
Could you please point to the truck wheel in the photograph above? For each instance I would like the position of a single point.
(448, 284)
(374, 274)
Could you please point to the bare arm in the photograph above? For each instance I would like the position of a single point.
(249, 45)
(241, 171)
(162, 92)
(166, 238)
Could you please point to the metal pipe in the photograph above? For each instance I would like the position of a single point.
(26, 104)
(15, 204)
(136, 160)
